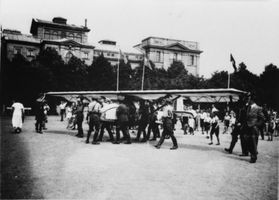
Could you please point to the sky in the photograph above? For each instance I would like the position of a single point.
(247, 29)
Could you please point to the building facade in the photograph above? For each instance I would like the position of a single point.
(111, 51)
(67, 40)
(163, 51)
(71, 40)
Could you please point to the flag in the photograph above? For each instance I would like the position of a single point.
(146, 62)
(123, 56)
(233, 63)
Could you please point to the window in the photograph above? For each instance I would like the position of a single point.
(157, 56)
(175, 57)
(17, 50)
(55, 35)
(85, 55)
(30, 53)
(71, 35)
(68, 56)
(47, 35)
(78, 38)
(112, 55)
(191, 60)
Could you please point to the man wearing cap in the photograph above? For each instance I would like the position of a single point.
(167, 125)
(94, 108)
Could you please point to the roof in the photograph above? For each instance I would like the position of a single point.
(21, 38)
(196, 95)
(116, 49)
(67, 41)
(36, 22)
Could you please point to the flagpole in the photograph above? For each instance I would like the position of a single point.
(117, 78)
(142, 80)
(229, 77)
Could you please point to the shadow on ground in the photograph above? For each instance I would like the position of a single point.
(16, 175)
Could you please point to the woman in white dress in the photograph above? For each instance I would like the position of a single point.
(18, 112)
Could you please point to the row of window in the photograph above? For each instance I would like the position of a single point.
(115, 55)
(159, 56)
(55, 35)
(29, 53)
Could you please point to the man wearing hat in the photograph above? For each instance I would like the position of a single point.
(167, 125)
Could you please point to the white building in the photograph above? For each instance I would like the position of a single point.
(163, 51)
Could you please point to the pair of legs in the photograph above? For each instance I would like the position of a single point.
(79, 120)
(168, 130)
(214, 130)
(39, 125)
(124, 127)
(155, 129)
(252, 137)
(142, 129)
(94, 124)
(107, 126)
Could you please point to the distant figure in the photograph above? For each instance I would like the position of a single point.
(226, 122)
(214, 129)
(271, 127)
(167, 126)
(143, 120)
(94, 121)
(18, 115)
(46, 109)
(78, 111)
(39, 115)
(122, 122)
(62, 107)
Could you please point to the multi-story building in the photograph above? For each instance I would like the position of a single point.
(111, 52)
(67, 39)
(162, 52)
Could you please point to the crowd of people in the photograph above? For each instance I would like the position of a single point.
(245, 120)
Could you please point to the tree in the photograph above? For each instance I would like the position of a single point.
(269, 82)
(101, 75)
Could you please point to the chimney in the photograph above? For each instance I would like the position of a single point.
(86, 23)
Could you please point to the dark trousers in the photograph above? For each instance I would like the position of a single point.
(39, 125)
(94, 124)
(62, 113)
(107, 126)
(215, 130)
(79, 120)
(235, 133)
(142, 129)
(168, 130)
(124, 127)
(252, 141)
(155, 129)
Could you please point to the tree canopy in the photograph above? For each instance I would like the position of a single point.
(49, 72)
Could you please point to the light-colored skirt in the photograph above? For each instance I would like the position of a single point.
(17, 121)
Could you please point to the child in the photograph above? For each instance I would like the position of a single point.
(214, 129)
(226, 122)
(191, 123)
(271, 128)
(207, 120)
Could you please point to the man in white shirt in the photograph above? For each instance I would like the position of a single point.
(18, 113)
(167, 125)
(94, 109)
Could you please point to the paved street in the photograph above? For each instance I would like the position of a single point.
(57, 165)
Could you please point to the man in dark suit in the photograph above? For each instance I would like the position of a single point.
(254, 119)
(122, 122)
